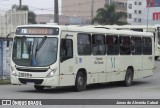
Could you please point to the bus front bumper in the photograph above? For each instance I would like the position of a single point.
(52, 81)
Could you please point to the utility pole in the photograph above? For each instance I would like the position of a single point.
(20, 4)
(92, 9)
(148, 5)
(56, 13)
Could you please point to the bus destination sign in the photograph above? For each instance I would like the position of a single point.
(36, 31)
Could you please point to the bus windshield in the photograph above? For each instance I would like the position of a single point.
(35, 51)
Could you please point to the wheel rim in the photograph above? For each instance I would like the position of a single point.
(80, 81)
(129, 78)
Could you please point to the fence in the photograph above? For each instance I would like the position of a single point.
(9, 20)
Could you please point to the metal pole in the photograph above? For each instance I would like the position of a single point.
(92, 9)
(20, 4)
(148, 12)
(56, 15)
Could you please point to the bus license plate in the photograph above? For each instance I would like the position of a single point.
(24, 74)
(30, 83)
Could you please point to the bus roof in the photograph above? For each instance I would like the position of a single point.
(126, 26)
(87, 29)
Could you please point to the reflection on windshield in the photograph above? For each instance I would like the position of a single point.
(35, 51)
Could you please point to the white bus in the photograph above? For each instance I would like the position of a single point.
(54, 55)
(155, 29)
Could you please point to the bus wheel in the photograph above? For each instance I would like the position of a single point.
(156, 57)
(128, 78)
(80, 83)
(39, 88)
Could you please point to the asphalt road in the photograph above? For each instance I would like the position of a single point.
(145, 88)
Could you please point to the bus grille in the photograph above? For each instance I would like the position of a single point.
(35, 81)
(32, 70)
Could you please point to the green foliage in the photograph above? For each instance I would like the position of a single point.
(31, 15)
(109, 16)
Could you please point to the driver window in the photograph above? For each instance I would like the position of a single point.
(66, 48)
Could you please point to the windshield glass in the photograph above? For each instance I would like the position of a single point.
(35, 51)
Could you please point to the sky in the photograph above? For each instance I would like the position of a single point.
(38, 6)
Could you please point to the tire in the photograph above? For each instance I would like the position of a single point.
(80, 83)
(38, 88)
(156, 57)
(128, 78)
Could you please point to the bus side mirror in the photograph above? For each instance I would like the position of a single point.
(8, 40)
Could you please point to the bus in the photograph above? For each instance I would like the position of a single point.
(155, 29)
(58, 56)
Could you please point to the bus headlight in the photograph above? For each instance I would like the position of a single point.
(51, 73)
(13, 72)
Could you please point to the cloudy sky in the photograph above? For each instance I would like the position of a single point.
(38, 6)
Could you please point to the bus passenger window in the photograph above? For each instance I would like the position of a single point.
(136, 45)
(112, 45)
(66, 49)
(84, 44)
(147, 46)
(125, 45)
(98, 44)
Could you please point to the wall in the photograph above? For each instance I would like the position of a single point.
(5, 56)
(81, 8)
(1, 57)
(9, 20)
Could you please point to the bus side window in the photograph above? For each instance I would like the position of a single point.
(84, 44)
(66, 49)
(112, 45)
(98, 44)
(125, 48)
(136, 45)
(147, 46)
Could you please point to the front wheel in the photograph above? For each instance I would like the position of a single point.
(128, 78)
(39, 88)
(80, 83)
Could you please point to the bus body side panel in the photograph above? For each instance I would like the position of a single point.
(148, 63)
(98, 74)
(112, 69)
(117, 67)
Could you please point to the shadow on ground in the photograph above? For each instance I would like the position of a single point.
(91, 87)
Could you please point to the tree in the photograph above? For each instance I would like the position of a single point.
(108, 15)
(31, 15)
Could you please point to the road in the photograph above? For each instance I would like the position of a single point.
(145, 88)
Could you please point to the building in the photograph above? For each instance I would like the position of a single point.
(80, 12)
(121, 5)
(63, 20)
(86, 9)
(143, 12)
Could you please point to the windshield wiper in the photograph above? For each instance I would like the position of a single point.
(39, 45)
